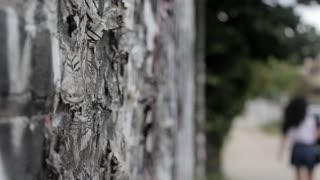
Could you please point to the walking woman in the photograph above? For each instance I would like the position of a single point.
(300, 129)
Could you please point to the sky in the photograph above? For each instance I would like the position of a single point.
(309, 14)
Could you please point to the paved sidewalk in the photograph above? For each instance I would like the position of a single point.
(250, 154)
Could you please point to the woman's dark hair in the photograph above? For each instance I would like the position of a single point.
(294, 113)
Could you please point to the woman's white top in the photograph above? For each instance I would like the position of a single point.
(306, 132)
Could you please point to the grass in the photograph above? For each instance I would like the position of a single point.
(273, 128)
(216, 176)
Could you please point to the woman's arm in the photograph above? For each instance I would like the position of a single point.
(282, 147)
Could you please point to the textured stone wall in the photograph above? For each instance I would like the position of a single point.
(100, 89)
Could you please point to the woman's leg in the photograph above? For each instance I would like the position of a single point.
(299, 173)
(310, 174)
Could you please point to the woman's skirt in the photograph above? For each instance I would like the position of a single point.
(304, 155)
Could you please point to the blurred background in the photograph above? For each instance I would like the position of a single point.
(258, 55)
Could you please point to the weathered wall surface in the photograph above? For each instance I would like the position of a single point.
(100, 89)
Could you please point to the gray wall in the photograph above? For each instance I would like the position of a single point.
(100, 89)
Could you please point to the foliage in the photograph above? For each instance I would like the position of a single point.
(274, 78)
(254, 29)
(308, 1)
(216, 176)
